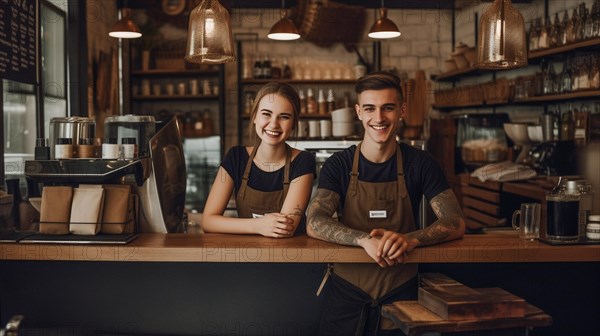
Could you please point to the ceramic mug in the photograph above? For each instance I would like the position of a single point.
(529, 221)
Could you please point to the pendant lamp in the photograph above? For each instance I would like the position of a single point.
(209, 36)
(502, 43)
(125, 28)
(383, 28)
(284, 29)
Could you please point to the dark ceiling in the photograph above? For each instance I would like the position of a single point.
(365, 3)
(393, 4)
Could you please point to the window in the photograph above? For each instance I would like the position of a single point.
(20, 101)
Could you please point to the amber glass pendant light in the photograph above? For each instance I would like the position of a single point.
(209, 36)
(284, 29)
(383, 28)
(125, 27)
(502, 43)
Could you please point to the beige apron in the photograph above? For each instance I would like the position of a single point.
(370, 205)
(252, 203)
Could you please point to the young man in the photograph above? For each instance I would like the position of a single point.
(375, 188)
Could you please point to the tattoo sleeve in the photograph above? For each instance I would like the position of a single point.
(450, 223)
(321, 225)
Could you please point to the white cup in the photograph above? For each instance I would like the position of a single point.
(314, 129)
(181, 89)
(145, 87)
(156, 89)
(325, 128)
(194, 88)
(302, 129)
(170, 89)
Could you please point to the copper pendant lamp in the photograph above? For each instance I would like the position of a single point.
(125, 27)
(284, 29)
(384, 28)
(502, 43)
(210, 39)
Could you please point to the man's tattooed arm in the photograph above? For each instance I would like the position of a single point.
(450, 224)
(321, 225)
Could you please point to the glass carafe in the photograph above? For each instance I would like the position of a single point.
(562, 206)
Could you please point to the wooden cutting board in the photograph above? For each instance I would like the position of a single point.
(414, 319)
(454, 301)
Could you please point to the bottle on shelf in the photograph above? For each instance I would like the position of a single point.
(266, 67)
(580, 28)
(556, 127)
(572, 27)
(565, 78)
(564, 26)
(286, 71)
(588, 25)
(548, 78)
(360, 69)
(595, 19)
(330, 101)
(555, 32)
(302, 101)
(534, 37)
(311, 103)
(567, 126)
(275, 69)
(257, 69)
(594, 77)
(544, 41)
(321, 103)
(583, 73)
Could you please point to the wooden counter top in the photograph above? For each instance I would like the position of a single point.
(500, 246)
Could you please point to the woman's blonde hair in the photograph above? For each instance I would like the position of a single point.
(283, 90)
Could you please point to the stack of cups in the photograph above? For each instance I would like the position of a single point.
(342, 122)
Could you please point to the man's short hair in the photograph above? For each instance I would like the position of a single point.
(379, 80)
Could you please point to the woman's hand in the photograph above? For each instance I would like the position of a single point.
(275, 225)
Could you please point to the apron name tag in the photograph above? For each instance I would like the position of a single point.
(377, 214)
(256, 215)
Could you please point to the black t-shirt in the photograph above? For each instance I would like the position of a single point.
(237, 157)
(422, 173)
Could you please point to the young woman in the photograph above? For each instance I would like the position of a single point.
(271, 180)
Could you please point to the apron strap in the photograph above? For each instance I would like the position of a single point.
(354, 173)
(244, 184)
(286, 171)
(401, 181)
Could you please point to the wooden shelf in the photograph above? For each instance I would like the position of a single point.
(303, 116)
(176, 97)
(449, 76)
(592, 94)
(587, 44)
(168, 72)
(297, 81)
(453, 75)
(560, 97)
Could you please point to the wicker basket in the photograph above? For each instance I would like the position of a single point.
(327, 22)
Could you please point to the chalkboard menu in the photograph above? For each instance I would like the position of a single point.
(18, 40)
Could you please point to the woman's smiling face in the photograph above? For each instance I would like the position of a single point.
(274, 120)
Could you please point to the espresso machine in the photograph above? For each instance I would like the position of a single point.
(157, 174)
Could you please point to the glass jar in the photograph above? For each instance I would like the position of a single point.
(562, 206)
